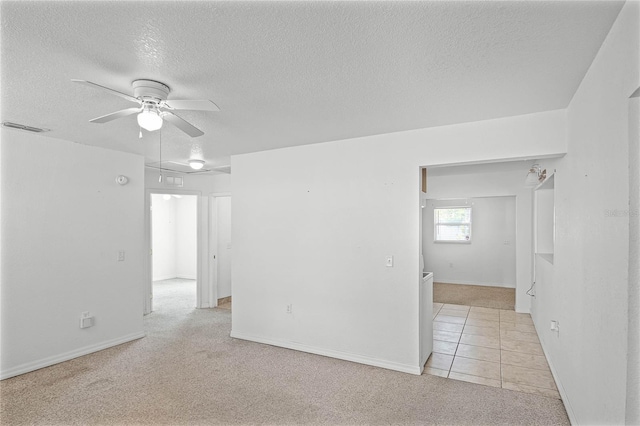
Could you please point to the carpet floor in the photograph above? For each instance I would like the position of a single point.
(474, 295)
(188, 371)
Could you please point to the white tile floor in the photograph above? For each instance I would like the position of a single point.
(492, 347)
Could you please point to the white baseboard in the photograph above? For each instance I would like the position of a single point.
(164, 277)
(503, 285)
(556, 378)
(186, 277)
(56, 359)
(404, 368)
(523, 310)
(175, 277)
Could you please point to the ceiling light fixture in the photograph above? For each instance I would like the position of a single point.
(149, 119)
(196, 164)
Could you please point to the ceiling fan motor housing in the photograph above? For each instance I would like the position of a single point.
(150, 91)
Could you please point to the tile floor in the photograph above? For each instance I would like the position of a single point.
(492, 347)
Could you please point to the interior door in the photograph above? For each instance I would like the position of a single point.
(223, 246)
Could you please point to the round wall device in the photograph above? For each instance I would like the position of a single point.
(122, 180)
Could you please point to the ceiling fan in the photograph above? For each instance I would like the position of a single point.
(153, 107)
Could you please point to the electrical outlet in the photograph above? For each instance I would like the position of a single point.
(450, 264)
(289, 308)
(121, 256)
(555, 326)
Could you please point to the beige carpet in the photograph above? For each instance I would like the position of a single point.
(474, 295)
(188, 371)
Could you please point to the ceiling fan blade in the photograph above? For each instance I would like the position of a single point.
(181, 124)
(223, 169)
(114, 115)
(113, 92)
(199, 105)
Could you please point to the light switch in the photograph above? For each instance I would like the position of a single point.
(389, 261)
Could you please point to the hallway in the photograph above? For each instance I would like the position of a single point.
(176, 294)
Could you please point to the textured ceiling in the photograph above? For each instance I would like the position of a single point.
(291, 73)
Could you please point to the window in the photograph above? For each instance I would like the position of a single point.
(452, 224)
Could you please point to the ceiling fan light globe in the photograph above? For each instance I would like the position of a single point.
(196, 164)
(149, 120)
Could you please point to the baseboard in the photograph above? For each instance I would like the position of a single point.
(164, 277)
(186, 277)
(404, 368)
(556, 378)
(175, 277)
(56, 359)
(444, 281)
(522, 310)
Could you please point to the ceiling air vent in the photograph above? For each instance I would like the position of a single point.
(23, 127)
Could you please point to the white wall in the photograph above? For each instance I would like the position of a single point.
(633, 332)
(482, 180)
(487, 260)
(202, 186)
(586, 289)
(206, 184)
(174, 237)
(64, 219)
(164, 237)
(312, 226)
(186, 234)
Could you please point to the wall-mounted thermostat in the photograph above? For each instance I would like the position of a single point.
(122, 180)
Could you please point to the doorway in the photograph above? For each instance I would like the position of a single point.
(479, 184)
(174, 252)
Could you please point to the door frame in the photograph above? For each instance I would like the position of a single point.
(148, 267)
(213, 246)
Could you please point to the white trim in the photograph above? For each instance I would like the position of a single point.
(56, 359)
(523, 309)
(213, 246)
(435, 224)
(467, 282)
(346, 356)
(202, 271)
(176, 277)
(164, 277)
(563, 394)
(147, 284)
(186, 277)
